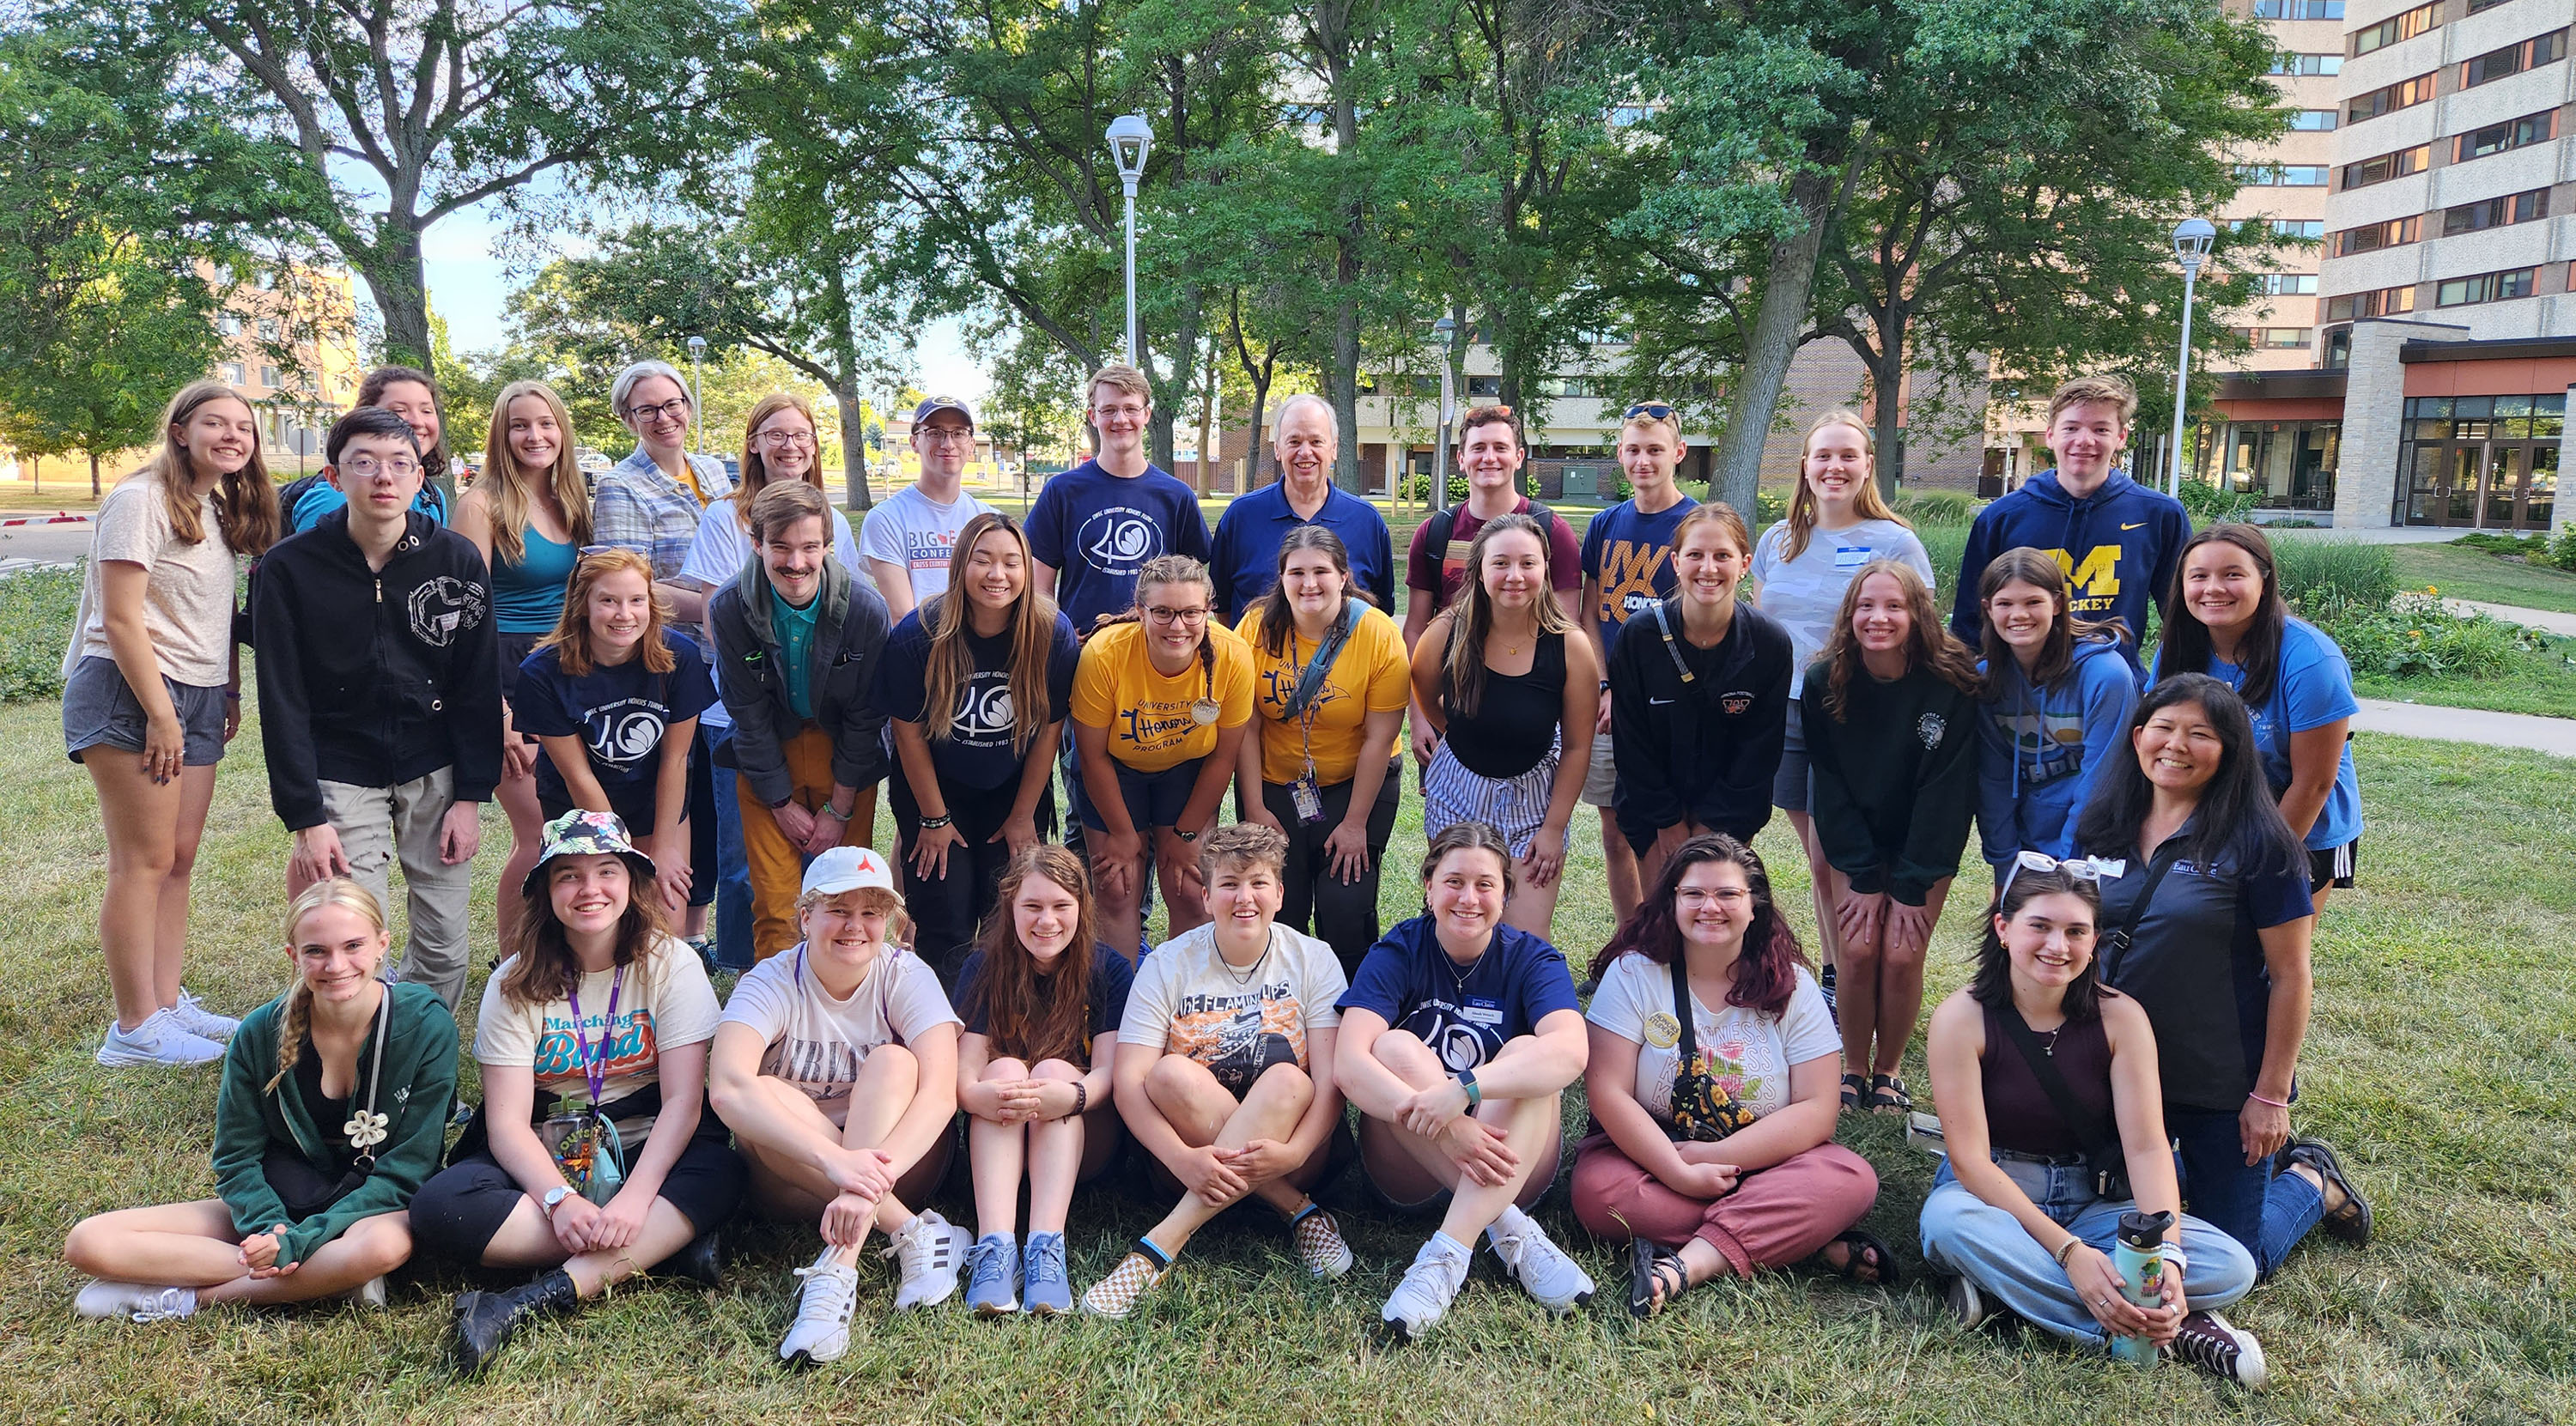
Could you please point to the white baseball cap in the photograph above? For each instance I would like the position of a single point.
(841, 869)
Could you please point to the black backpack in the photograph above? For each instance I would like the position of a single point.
(1436, 530)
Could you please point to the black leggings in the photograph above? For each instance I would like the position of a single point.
(1344, 917)
(456, 1213)
(947, 913)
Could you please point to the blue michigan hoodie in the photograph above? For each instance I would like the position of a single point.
(2040, 750)
(2117, 546)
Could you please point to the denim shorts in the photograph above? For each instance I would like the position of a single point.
(1154, 799)
(100, 709)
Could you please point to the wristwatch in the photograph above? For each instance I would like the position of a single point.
(555, 1195)
(1475, 1092)
(1186, 836)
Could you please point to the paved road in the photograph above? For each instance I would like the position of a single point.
(2468, 725)
(44, 543)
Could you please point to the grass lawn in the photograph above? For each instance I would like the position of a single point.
(2462, 572)
(2446, 1025)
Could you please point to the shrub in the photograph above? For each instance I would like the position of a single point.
(2210, 504)
(1417, 486)
(2320, 572)
(1936, 507)
(2413, 636)
(2562, 551)
(36, 608)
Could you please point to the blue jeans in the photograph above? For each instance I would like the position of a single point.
(1964, 1234)
(733, 874)
(2267, 1213)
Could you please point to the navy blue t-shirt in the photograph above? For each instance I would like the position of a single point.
(977, 752)
(1111, 979)
(1097, 530)
(619, 713)
(1631, 554)
(1466, 1018)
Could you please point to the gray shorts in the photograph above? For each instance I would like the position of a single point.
(1789, 784)
(1601, 779)
(100, 709)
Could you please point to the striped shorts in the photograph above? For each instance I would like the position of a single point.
(1513, 806)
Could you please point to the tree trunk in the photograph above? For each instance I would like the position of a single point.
(1788, 283)
(93, 475)
(1252, 432)
(392, 268)
(854, 448)
(1207, 425)
(1333, 26)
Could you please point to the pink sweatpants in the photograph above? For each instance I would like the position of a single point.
(1780, 1215)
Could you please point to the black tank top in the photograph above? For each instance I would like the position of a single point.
(1516, 718)
(2019, 1114)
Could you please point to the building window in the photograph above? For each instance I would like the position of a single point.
(2299, 227)
(2386, 302)
(2537, 128)
(268, 376)
(2298, 9)
(2396, 232)
(232, 373)
(2286, 284)
(2284, 465)
(228, 325)
(2405, 94)
(1569, 386)
(2387, 166)
(2496, 212)
(2286, 338)
(2490, 461)
(2281, 175)
(2514, 59)
(268, 329)
(2485, 287)
(1486, 387)
(2477, 5)
(2305, 64)
(2313, 120)
(2396, 27)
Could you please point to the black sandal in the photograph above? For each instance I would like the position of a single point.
(1869, 1262)
(2350, 1222)
(1853, 1088)
(1651, 1266)
(1887, 1095)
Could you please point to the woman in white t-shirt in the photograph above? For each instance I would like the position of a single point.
(1225, 1068)
(1838, 522)
(836, 1066)
(1715, 1130)
(152, 692)
(591, 1158)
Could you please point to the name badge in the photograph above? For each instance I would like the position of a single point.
(1482, 1011)
(1850, 557)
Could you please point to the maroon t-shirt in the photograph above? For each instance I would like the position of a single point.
(1442, 571)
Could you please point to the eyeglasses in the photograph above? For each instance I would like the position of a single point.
(786, 438)
(676, 409)
(368, 467)
(2091, 869)
(1701, 896)
(1191, 617)
(946, 435)
(1651, 410)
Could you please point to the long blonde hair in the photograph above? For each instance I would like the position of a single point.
(512, 486)
(951, 665)
(755, 471)
(1471, 616)
(245, 501)
(1867, 503)
(297, 1018)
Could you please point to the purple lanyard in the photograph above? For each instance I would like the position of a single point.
(594, 1058)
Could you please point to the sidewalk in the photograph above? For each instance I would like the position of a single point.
(2547, 621)
(2556, 736)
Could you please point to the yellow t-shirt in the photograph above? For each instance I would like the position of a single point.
(1370, 676)
(1147, 715)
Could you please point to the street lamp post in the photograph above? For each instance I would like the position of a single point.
(1129, 137)
(1442, 331)
(2191, 240)
(698, 387)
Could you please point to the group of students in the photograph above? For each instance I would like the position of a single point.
(547, 651)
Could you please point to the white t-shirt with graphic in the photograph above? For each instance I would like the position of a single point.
(1747, 1051)
(817, 1043)
(910, 529)
(663, 1002)
(1189, 1001)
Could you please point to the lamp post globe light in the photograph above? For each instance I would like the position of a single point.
(2191, 240)
(1441, 332)
(1129, 139)
(698, 388)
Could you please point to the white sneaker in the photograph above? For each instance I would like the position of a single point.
(929, 1253)
(160, 1040)
(370, 1293)
(1544, 1271)
(821, 1331)
(196, 1019)
(134, 1302)
(1429, 1286)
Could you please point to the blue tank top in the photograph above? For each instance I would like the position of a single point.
(528, 592)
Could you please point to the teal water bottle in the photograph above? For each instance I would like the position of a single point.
(2140, 1257)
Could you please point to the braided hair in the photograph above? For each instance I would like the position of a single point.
(296, 1021)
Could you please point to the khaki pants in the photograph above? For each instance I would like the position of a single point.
(777, 868)
(379, 825)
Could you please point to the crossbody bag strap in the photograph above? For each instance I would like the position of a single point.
(1310, 684)
(376, 1074)
(1664, 626)
(1682, 1011)
(2044, 1069)
(2166, 856)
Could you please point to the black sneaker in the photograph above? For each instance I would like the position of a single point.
(2220, 1348)
(1968, 1303)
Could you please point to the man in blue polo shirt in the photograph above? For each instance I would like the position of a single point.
(1248, 535)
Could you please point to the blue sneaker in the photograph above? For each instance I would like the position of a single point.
(1049, 1293)
(992, 1275)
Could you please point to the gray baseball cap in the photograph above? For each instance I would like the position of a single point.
(923, 411)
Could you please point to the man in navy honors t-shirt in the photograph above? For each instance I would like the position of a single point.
(1094, 526)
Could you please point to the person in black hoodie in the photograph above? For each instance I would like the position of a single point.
(380, 693)
(1890, 710)
(1699, 700)
(797, 643)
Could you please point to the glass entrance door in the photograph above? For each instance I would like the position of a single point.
(2503, 487)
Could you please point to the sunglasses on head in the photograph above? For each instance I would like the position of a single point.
(1651, 410)
(2092, 869)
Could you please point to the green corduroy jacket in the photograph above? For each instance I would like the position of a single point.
(419, 1091)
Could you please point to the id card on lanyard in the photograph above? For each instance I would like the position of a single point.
(585, 1145)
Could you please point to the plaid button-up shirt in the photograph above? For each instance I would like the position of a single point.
(638, 507)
